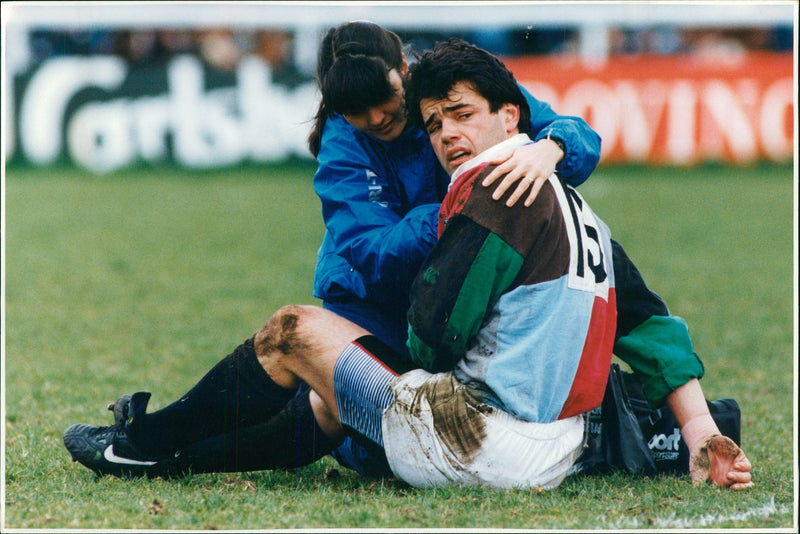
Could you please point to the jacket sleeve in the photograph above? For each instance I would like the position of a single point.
(653, 342)
(582, 144)
(382, 246)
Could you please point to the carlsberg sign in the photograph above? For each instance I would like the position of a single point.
(104, 114)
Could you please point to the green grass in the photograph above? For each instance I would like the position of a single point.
(144, 279)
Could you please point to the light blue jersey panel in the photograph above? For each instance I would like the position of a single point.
(541, 333)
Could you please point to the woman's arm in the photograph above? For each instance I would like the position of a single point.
(370, 226)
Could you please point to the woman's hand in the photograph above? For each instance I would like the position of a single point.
(528, 167)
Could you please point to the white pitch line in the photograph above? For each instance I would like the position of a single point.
(707, 520)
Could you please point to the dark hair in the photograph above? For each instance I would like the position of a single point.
(436, 72)
(353, 64)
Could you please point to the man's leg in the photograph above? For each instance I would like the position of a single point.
(289, 440)
(304, 343)
(235, 394)
(306, 429)
(349, 369)
(293, 437)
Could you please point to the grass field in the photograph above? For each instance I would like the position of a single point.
(142, 280)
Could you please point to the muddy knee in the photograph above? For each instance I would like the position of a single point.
(280, 333)
(278, 339)
(303, 342)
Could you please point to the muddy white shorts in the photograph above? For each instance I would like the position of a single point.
(436, 433)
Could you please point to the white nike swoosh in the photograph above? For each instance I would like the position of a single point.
(109, 455)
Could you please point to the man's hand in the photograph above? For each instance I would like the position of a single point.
(722, 463)
(712, 456)
(528, 166)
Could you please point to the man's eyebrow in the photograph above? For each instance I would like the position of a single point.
(430, 120)
(454, 107)
(447, 109)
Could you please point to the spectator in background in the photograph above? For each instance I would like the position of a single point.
(661, 40)
(153, 46)
(219, 48)
(716, 47)
(276, 47)
(176, 41)
(136, 46)
(706, 42)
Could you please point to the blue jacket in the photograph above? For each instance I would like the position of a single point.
(380, 204)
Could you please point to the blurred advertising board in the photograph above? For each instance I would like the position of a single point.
(103, 113)
(676, 110)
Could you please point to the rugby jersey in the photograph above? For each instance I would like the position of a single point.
(519, 302)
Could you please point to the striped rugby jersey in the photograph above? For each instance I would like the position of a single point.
(519, 302)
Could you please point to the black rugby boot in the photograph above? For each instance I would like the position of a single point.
(108, 450)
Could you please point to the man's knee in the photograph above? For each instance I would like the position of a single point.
(280, 333)
(280, 337)
(303, 339)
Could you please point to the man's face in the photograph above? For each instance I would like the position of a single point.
(462, 126)
(385, 121)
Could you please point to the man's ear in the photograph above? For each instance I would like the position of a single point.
(404, 67)
(510, 114)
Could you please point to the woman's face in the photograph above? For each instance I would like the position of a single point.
(385, 121)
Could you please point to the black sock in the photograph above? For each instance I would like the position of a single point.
(289, 440)
(236, 392)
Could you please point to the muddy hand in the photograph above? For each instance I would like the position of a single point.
(722, 463)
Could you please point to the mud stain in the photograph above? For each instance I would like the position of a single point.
(457, 417)
(723, 447)
(279, 334)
